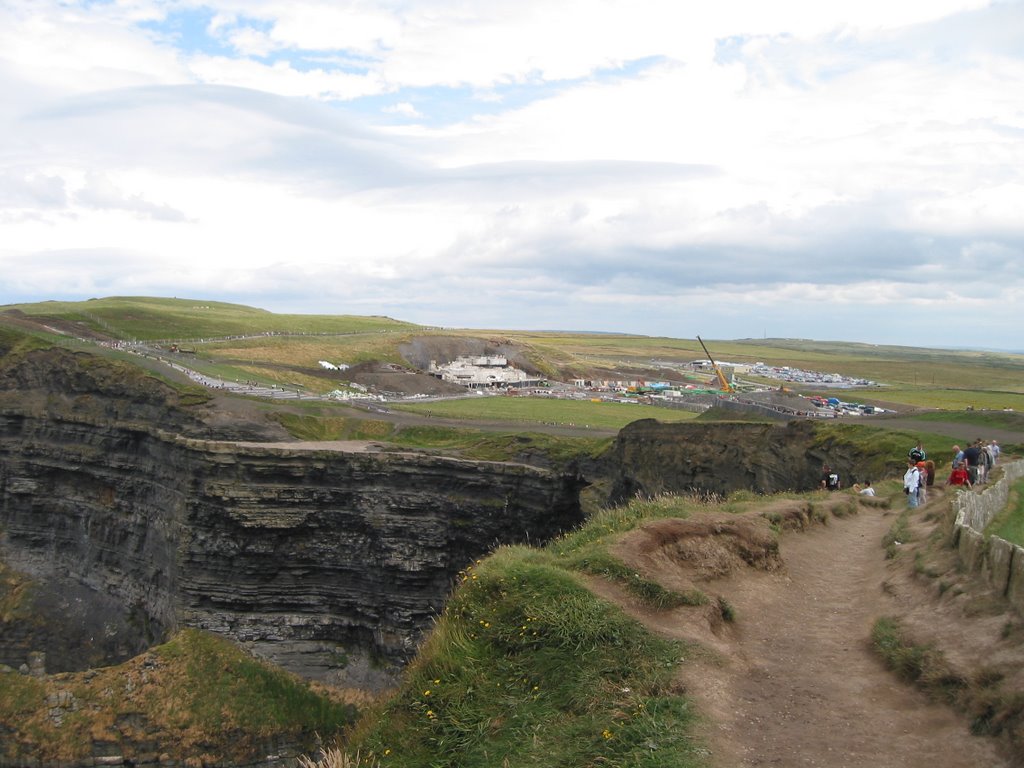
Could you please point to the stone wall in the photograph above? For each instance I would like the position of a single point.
(1000, 560)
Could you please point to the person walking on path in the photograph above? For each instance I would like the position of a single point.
(912, 483)
(972, 456)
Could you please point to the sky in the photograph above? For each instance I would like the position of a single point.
(738, 169)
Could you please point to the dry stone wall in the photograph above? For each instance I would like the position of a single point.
(1001, 560)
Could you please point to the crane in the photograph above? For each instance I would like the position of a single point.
(726, 386)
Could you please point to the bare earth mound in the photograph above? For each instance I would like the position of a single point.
(793, 681)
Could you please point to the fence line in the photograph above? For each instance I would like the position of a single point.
(1001, 560)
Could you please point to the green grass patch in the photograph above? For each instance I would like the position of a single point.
(897, 535)
(216, 688)
(350, 348)
(992, 710)
(1009, 524)
(14, 594)
(526, 667)
(880, 452)
(551, 411)
(953, 399)
(921, 664)
(1002, 420)
(470, 443)
(322, 428)
(136, 317)
(20, 697)
(197, 694)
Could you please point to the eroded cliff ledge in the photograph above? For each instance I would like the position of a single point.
(650, 458)
(133, 521)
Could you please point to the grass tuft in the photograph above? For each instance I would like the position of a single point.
(528, 667)
(897, 535)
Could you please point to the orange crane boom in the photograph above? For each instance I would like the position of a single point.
(726, 386)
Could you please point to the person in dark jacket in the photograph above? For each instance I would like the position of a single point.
(972, 457)
(829, 479)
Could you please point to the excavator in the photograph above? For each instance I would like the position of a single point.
(726, 386)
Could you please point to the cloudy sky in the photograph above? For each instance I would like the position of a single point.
(827, 170)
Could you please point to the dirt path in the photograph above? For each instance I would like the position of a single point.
(793, 681)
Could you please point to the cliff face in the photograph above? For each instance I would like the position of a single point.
(133, 519)
(649, 458)
(328, 562)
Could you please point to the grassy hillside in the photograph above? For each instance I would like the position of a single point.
(911, 376)
(196, 694)
(142, 318)
(540, 410)
(528, 667)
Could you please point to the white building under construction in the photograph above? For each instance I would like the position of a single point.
(482, 371)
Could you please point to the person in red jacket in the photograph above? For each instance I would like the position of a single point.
(959, 476)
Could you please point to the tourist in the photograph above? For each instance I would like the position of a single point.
(972, 456)
(911, 483)
(867, 490)
(917, 453)
(829, 479)
(922, 485)
(958, 455)
(958, 476)
(988, 459)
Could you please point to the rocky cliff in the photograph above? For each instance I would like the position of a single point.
(134, 515)
(650, 458)
(132, 520)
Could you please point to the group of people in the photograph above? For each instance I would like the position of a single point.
(970, 467)
(976, 460)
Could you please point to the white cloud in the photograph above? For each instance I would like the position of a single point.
(610, 165)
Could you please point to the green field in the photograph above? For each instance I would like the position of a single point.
(238, 342)
(143, 318)
(1009, 524)
(552, 411)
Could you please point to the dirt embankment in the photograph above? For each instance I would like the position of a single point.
(793, 679)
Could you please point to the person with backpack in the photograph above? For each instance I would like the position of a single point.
(917, 453)
(912, 483)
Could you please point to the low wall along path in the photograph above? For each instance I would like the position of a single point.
(1001, 560)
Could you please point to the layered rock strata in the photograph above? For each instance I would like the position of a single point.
(328, 562)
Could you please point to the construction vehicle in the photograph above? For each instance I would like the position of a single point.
(726, 386)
